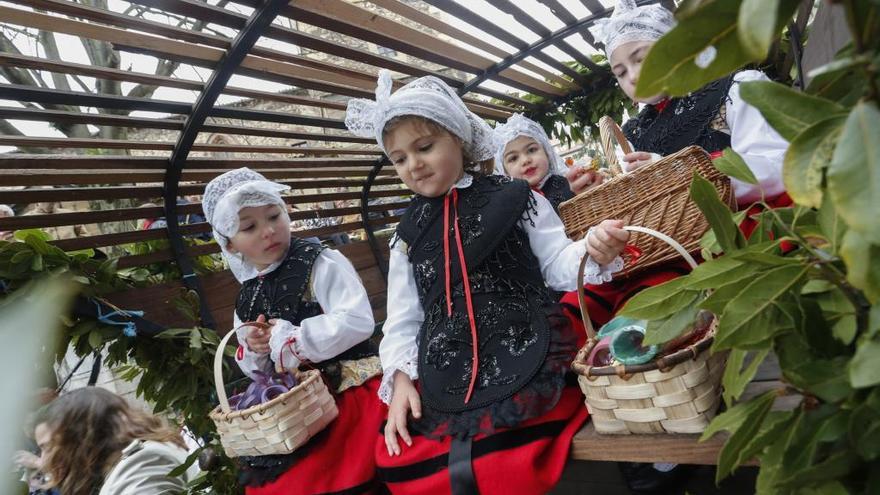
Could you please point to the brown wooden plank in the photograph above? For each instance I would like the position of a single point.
(356, 21)
(26, 141)
(36, 63)
(12, 161)
(436, 24)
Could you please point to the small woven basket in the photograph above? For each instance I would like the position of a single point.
(279, 426)
(676, 393)
(656, 196)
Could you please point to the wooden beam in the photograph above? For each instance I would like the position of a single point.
(12, 161)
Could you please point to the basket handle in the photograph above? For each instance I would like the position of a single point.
(611, 135)
(218, 364)
(585, 317)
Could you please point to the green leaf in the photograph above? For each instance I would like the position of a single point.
(759, 22)
(731, 164)
(661, 331)
(23, 234)
(854, 173)
(721, 297)
(752, 413)
(787, 110)
(843, 85)
(37, 263)
(717, 214)
(752, 315)
(731, 419)
(670, 65)
(195, 338)
(659, 301)
(95, 339)
(864, 369)
(774, 428)
(807, 157)
(736, 379)
(832, 226)
(844, 329)
(717, 272)
(821, 377)
(861, 257)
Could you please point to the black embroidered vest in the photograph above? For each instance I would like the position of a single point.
(280, 294)
(556, 190)
(509, 296)
(683, 122)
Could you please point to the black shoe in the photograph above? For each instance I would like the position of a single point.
(645, 479)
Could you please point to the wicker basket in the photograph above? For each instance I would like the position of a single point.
(279, 426)
(656, 196)
(676, 393)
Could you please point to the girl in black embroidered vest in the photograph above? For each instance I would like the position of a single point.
(470, 318)
(319, 313)
(523, 151)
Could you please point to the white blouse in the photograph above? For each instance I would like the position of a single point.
(558, 257)
(347, 319)
(761, 147)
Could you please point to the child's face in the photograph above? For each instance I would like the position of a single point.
(626, 64)
(263, 235)
(525, 158)
(429, 161)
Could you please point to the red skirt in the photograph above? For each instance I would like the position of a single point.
(341, 460)
(524, 460)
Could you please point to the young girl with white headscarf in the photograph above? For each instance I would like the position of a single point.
(320, 314)
(476, 351)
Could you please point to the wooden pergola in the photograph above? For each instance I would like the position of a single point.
(325, 154)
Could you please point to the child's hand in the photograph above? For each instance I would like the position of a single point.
(606, 241)
(637, 159)
(405, 399)
(258, 338)
(580, 178)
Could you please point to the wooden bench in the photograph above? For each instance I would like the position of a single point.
(681, 449)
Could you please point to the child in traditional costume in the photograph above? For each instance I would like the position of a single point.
(523, 151)
(319, 313)
(475, 352)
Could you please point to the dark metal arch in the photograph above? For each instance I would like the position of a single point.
(238, 50)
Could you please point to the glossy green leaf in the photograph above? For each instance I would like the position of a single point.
(863, 270)
(845, 328)
(660, 301)
(833, 227)
(736, 378)
(864, 369)
(717, 272)
(788, 111)
(661, 331)
(709, 31)
(854, 173)
(807, 157)
(731, 164)
(717, 214)
(718, 300)
(822, 377)
(753, 414)
(750, 317)
(759, 24)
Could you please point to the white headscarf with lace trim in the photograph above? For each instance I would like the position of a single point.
(426, 97)
(520, 125)
(630, 22)
(225, 196)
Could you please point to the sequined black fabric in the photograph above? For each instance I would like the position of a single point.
(556, 190)
(683, 122)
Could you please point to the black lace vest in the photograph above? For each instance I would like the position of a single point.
(279, 294)
(509, 296)
(557, 190)
(685, 121)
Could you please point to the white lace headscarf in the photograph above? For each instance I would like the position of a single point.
(426, 97)
(520, 125)
(225, 196)
(629, 22)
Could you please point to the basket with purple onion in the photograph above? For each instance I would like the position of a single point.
(276, 414)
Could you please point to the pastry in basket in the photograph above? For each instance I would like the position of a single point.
(305, 308)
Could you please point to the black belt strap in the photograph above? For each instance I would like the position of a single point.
(461, 470)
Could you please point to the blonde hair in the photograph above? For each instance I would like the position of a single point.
(90, 427)
(485, 167)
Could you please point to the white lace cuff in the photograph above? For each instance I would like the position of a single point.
(285, 348)
(596, 274)
(386, 388)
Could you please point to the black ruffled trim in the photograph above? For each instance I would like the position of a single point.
(538, 397)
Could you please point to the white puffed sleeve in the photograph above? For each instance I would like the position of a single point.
(399, 349)
(761, 147)
(559, 256)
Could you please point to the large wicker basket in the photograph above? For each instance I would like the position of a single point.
(279, 426)
(676, 393)
(656, 196)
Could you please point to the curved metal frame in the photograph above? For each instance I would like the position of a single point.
(238, 50)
